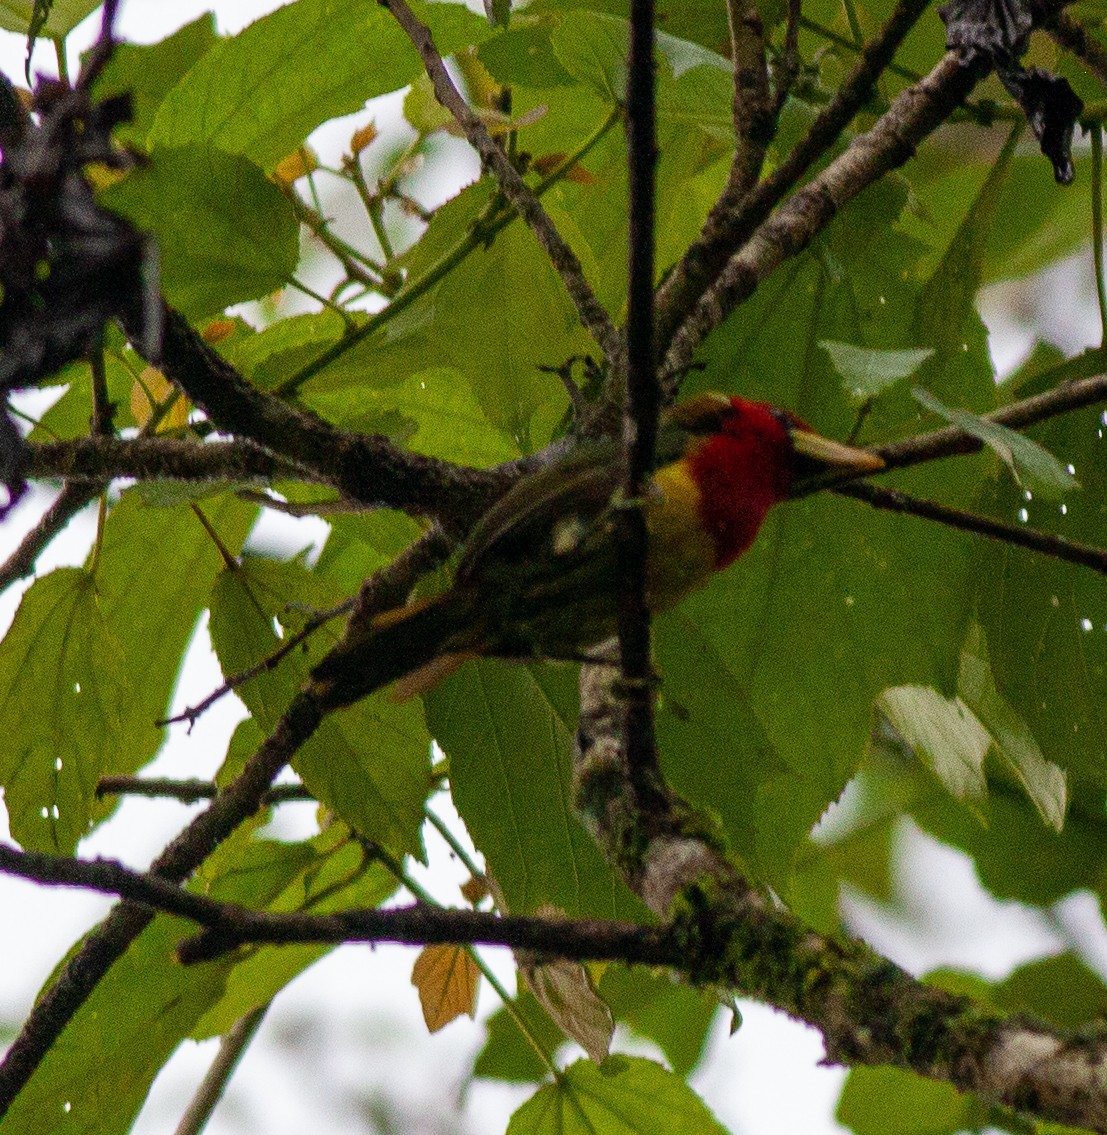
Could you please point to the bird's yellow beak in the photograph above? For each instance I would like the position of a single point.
(834, 455)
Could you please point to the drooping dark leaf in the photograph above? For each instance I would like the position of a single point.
(1051, 107)
(999, 31)
(66, 264)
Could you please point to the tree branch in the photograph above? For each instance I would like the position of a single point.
(727, 228)
(912, 116)
(228, 925)
(754, 120)
(367, 468)
(188, 791)
(642, 408)
(66, 505)
(592, 315)
(1033, 538)
(1067, 33)
(100, 459)
(732, 935)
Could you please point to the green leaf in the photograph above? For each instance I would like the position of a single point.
(1061, 989)
(1031, 465)
(95, 1076)
(65, 15)
(627, 1096)
(526, 321)
(867, 371)
(149, 72)
(507, 730)
(507, 1053)
(328, 873)
(944, 733)
(876, 1101)
(438, 405)
(262, 92)
(370, 763)
(62, 692)
(1043, 619)
(662, 1008)
(1044, 782)
(226, 233)
(154, 575)
(706, 724)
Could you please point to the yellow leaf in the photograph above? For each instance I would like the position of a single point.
(218, 330)
(296, 165)
(151, 388)
(447, 979)
(363, 137)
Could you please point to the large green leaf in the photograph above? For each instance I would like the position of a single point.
(225, 232)
(627, 1096)
(878, 1100)
(371, 762)
(328, 873)
(154, 574)
(1045, 620)
(62, 698)
(439, 416)
(149, 72)
(261, 92)
(507, 730)
(95, 1076)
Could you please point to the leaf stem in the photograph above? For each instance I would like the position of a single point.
(1097, 228)
(478, 237)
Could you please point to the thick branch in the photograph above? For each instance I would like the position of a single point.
(642, 407)
(367, 468)
(99, 459)
(870, 1011)
(754, 122)
(592, 315)
(1072, 37)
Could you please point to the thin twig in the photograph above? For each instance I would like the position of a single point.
(592, 315)
(188, 791)
(1097, 228)
(265, 666)
(1033, 538)
(214, 1083)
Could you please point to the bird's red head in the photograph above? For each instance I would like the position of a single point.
(744, 457)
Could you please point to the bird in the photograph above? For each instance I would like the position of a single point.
(537, 577)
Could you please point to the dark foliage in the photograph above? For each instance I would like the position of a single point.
(66, 264)
(999, 30)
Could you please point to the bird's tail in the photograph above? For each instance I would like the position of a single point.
(414, 646)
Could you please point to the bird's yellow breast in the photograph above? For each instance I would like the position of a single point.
(682, 552)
